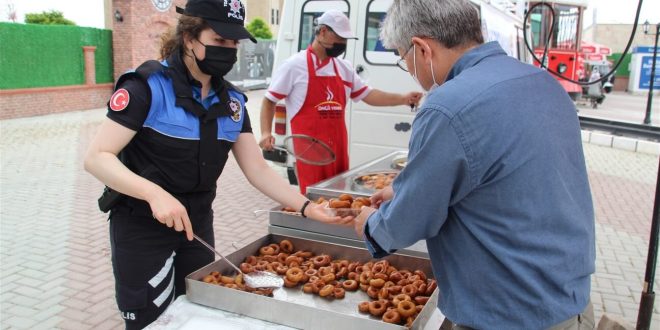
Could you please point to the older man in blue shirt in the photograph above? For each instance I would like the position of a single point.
(496, 181)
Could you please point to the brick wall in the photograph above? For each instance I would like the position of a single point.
(16, 103)
(138, 37)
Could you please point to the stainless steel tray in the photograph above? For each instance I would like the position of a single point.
(293, 225)
(294, 308)
(294, 221)
(343, 183)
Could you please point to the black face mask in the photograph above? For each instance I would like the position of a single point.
(218, 60)
(336, 49)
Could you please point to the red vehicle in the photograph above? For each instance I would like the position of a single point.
(564, 49)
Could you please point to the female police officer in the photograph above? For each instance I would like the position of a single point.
(173, 123)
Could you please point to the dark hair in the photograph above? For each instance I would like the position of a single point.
(317, 29)
(173, 40)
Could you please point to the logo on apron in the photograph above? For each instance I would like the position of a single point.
(329, 104)
(236, 109)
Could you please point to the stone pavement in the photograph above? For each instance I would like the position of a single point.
(622, 106)
(54, 252)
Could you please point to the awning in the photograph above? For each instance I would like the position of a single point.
(594, 53)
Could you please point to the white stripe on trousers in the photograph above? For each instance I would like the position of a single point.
(166, 293)
(154, 281)
(158, 279)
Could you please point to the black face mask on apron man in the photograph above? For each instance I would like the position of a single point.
(218, 60)
(336, 49)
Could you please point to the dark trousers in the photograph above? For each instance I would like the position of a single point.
(150, 262)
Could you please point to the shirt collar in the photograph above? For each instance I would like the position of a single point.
(318, 64)
(474, 56)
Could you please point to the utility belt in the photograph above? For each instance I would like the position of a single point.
(109, 198)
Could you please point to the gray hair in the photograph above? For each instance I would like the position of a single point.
(450, 22)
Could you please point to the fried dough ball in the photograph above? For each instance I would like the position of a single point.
(377, 307)
(392, 316)
(363, 307)
(406, 308)
(350, 285)
(294, 274)
(286, 246)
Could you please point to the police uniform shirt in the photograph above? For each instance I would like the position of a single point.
(166, 147)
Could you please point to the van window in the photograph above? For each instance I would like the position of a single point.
(311, 11)
(374, 51)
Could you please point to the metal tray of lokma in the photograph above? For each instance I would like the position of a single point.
(345, 182)
(291, 306)
(373, 181)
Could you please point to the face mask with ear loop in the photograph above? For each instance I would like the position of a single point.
(335, 50)
(435, 84)
(218, 61)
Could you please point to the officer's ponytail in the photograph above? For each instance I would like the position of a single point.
(172, 40)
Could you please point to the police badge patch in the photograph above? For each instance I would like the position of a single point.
(236, 109)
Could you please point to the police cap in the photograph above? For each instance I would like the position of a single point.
(226, 17)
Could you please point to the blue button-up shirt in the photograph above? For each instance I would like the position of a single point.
(496, 184)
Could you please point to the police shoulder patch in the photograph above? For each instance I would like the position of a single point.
(119, 100)
(236, 109)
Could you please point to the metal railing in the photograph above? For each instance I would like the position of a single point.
(617, 128)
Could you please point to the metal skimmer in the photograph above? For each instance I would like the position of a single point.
(256, 279)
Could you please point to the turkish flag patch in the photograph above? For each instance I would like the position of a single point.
(119, 100)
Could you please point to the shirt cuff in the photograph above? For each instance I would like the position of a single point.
(372, 246)
(274, 97)
(360, 94)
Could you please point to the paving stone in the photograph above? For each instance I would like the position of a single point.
(18, 322)
(21, 311)
(49, 313)
(48, 324)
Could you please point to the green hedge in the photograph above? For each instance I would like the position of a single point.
(623, 70)
(35, 55)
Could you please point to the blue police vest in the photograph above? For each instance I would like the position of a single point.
(169, 119)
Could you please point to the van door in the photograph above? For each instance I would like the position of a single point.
(376, 131)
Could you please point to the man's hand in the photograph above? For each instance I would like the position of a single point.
(170, 212)
(412, 98)
(381, 196)
(359, 222)
(267, 141)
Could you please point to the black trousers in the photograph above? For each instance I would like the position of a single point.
(150, 262)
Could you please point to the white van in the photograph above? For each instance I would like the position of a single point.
(374, 131)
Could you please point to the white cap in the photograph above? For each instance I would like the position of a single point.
(338, 22)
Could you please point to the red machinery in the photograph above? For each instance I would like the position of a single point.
(564, 54)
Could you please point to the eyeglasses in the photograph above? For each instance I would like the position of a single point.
(402, 61)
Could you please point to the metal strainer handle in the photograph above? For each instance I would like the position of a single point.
(218, 253)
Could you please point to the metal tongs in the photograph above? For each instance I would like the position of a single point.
(256, 279)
